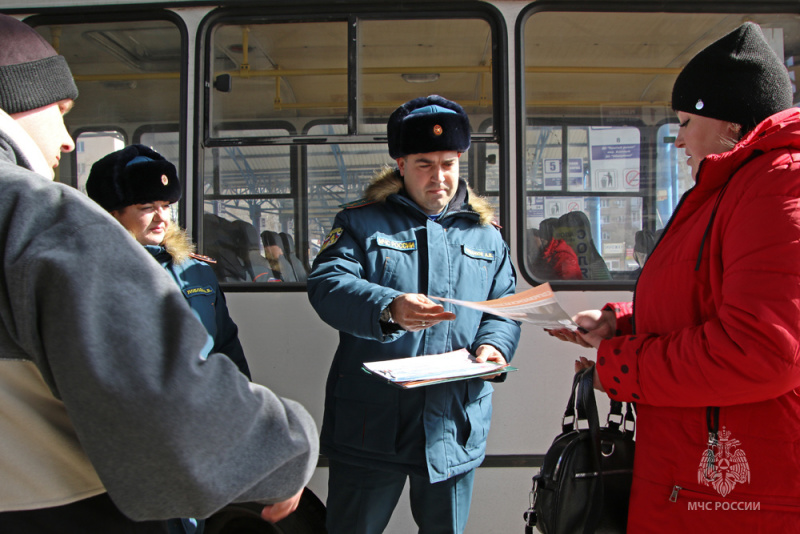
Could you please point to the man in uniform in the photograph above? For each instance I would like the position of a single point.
(419, 231)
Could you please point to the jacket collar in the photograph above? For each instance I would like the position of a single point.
(177, 244)
(388, 182)
(781, 130)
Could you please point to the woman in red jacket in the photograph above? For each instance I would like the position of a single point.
(713, 361)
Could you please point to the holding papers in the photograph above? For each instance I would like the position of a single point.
(537, 305)
(426, 370)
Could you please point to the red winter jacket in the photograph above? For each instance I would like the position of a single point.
(717, 324)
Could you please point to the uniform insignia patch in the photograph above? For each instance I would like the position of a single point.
(356, 203)
(397, 245)
(194, 291)
(332, 237)
(200, 257)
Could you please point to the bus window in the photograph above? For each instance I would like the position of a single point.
(600, 173)
(297, 125)
(91, 146)
(128, 74)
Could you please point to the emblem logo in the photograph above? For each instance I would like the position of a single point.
(164, 179)
(437, 130)
(723, 464)
(332, 237)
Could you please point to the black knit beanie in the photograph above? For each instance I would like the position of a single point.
(32, 74)
(738, 79)
(428, 124)
(134, 175)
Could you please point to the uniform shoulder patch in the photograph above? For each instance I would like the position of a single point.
(332, 237)
(200, 257)
(357, 203)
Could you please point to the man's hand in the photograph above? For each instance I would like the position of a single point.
(414, 311)
(488, 353)
(279, 510)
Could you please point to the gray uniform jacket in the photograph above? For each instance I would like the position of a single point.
(102, 384)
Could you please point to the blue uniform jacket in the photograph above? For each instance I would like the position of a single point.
(199, 285)
(375, 252)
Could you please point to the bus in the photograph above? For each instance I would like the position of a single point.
(274, 113)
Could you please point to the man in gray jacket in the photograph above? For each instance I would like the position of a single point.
(113, 415)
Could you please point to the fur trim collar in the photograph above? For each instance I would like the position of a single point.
(177, 244)
(387, 181)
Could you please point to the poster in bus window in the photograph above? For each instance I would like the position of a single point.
(558, 206)
(614, 159)
(535, 209)
(553, 174)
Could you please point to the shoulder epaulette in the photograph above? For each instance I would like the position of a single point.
(200, 257)
(357, 203)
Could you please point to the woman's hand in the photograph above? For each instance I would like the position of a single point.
(593, 327)
(584, 363)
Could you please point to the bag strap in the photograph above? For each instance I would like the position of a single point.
(569, 421)
(588, 404)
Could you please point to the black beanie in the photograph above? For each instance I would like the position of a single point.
(738, 79)
(134, 175)
(428, 124)
(32, 74)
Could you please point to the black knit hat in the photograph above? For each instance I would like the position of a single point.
(32, 74)
(428, 124)
(134, 175)
(738, 79)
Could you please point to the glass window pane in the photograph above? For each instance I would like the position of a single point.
(90, 147)
(115, 64)
(599, 155)
(405, 59)
(291, 71)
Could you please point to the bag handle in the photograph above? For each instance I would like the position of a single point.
(587, 402)
(570, 420)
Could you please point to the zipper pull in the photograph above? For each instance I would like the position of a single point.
(674, 496)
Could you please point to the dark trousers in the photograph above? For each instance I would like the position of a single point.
(361, 500)
(95, 515)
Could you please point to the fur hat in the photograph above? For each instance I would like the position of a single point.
(428, 124)
(738, 79)
(134, 175)
(32, 74)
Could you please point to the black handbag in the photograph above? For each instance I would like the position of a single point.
(584, 483)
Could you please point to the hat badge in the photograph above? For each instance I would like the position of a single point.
(700, 104)
(437, 130)
(164, 179)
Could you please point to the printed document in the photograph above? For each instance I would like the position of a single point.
(537, 305)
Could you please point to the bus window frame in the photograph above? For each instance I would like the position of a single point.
(571, 6)
(116, 14)
(290, 13)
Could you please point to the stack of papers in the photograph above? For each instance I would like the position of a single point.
(537, 306)
(434, 369)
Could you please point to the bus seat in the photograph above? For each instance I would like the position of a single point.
(219, 243)
(644, 242)
(273, 250)
(300, 271)
(249, 250)
(574, 228)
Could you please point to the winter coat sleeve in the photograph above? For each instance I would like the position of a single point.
(623, 311)
(746, 349)
(227, 339)
(339, 291)
(169, 433)
(501, 333)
